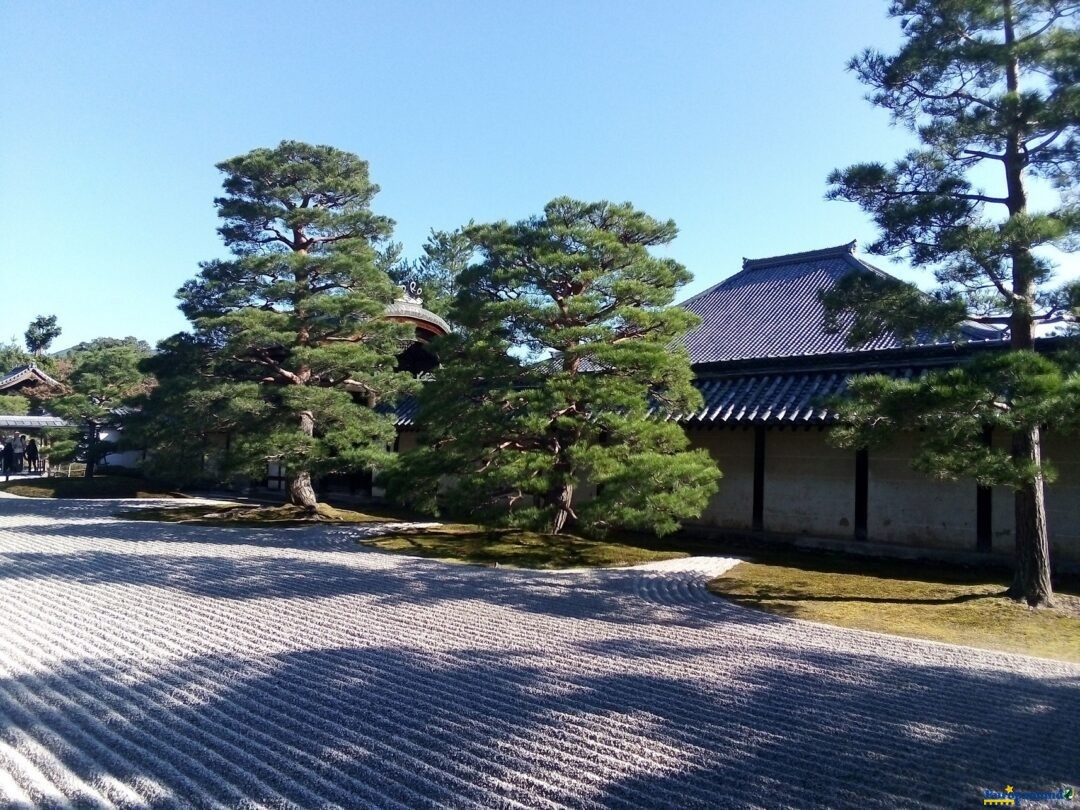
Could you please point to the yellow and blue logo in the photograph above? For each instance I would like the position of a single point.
(1011, 797)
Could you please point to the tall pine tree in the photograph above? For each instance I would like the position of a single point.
(992, 90)
(296, 313)
(568, 339)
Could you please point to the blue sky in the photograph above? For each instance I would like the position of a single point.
(724, 116)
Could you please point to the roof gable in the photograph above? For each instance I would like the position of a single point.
(26, 375)
(771, 308)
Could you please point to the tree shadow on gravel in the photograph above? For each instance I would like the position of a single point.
(610, 596)
(328, 563)
(219, 577)
(381, 726)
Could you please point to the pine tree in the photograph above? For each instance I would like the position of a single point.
(40, 334)
(189, 418)
(101, 383)
(296, 312)
(990, 87)
(568, 340)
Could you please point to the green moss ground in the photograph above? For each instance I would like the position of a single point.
(522, 549)
(104, 486)
(921, 600)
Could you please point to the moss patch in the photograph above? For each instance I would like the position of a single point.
(959, 606)
(104, 486)
(250, 515)
(521, 549)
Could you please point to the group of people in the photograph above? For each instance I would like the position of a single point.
(19, 453)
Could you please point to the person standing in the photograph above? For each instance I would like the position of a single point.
(32, 455)
(9, 457)
(18, 444)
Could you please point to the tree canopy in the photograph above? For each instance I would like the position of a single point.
(101, 383)
(294, 316)
(990, 89)
(446, 254)
(41, 333)
(568, 340)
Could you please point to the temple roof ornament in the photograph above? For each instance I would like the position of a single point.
(409, 308)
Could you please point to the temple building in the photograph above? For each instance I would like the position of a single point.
(765, 365)
(21, 381)
(409, 309)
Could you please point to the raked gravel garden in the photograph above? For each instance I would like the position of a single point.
(177, 665)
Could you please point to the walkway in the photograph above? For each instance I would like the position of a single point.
(172, 665)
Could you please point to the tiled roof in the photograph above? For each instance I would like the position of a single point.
(31, 422)
(406, 309)
(767, 398)
(406, 411)
(23, 373)
(779, 397)
(771, 309)
(795, 390)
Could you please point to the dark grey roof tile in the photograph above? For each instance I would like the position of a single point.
(771, 309)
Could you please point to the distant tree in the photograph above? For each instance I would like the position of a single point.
(101, 383)
(137, 345)
(569, 338)
(188, 419)
(14, 405)
(296, 313)
(12, 356)
(40, 334)
(990, 87)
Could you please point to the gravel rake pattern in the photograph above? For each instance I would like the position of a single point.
(171, 665)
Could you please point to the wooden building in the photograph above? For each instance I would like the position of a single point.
(765, 365)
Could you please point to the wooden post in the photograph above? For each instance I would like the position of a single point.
(862, 491)
(758, 521)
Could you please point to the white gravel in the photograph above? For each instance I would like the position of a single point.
(175, 665)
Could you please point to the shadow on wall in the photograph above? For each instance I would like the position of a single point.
(394, 727)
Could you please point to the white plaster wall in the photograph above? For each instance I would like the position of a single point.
(733, 449)
(810, 489)
(1001, 523)
(407, 440)
(128, 458)
(1063, 496)
(905, 506)
(809, 484)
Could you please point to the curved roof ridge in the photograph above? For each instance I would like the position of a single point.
(845, 251)
(20, 373)
(835, 252)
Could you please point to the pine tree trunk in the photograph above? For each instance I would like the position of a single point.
(563, 510)
(301, 492)
(1031, 578)
(91, 449)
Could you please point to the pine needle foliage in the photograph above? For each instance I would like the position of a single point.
(295, 315)
(103, 380)
(991, 90)
(567, 341)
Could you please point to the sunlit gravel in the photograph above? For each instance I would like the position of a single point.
(168, 665)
